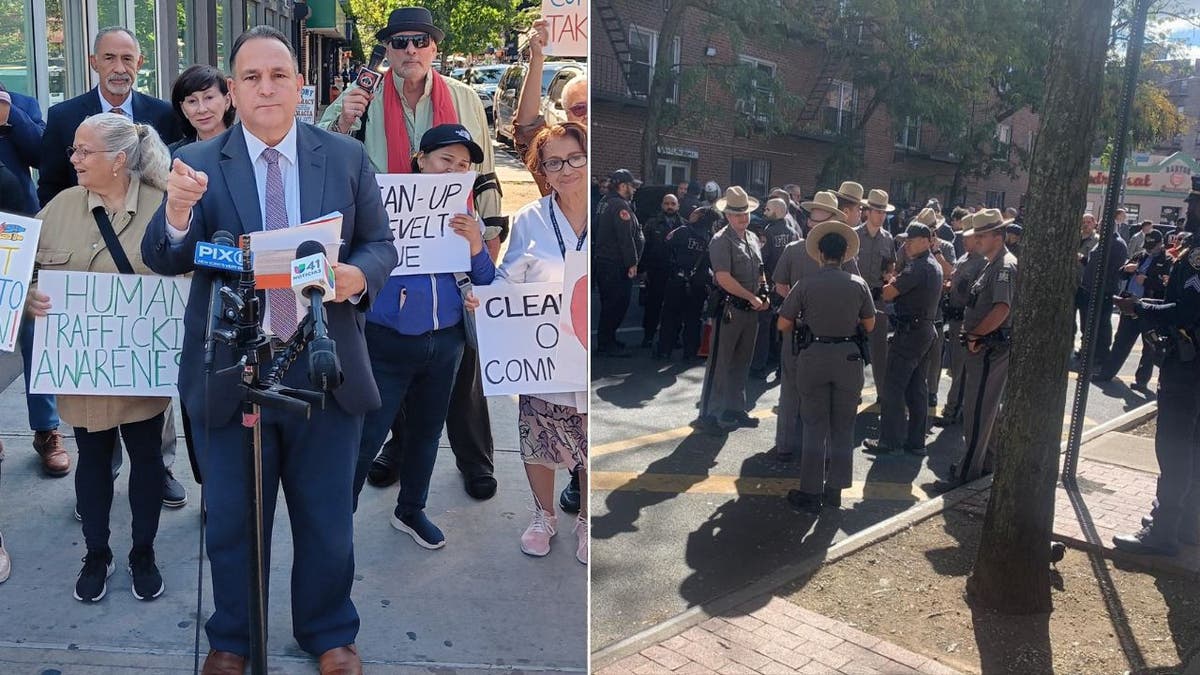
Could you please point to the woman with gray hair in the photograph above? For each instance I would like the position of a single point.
(97, 226)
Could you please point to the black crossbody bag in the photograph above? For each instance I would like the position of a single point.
(110, 240)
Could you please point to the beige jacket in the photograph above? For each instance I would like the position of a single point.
(71, 242)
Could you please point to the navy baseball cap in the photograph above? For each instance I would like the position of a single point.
(916, 229)
(451, 134)
(623, 176)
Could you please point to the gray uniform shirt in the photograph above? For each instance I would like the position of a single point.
(872, 253)
(920, 286)
(795, 264)
(831, 302)
(996, 283)
(966, 271)
(740, 257)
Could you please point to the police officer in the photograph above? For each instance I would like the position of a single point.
(616, 247)
(688, 284)
(736, 260)
(916, 292)
(777, 234)
(987, 324)
(1145, 274)
(876, 255)
(655, 264)
(795, 264)
(829, 306)
(942, 251)
(1175, 518)
(966, 271)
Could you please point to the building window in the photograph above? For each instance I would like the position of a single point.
(1003, 141)
(837, 116)
(643, 50)
(672, 171)
(908, 134)
(754, 175)
(761, 89)
(994, 199)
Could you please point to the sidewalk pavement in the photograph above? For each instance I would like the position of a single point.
(770, 635)
(478, 605)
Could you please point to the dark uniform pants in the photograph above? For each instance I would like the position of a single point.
(830, 380)
(1129, 331)
(789, 428)
(731, 364)
(878, 344)
(986, 374)
(656, 286)
(958, 362)
(682, 306)
(904, 386)
(614, 286)
(1177, 446)
(766, 345)
(934, 378)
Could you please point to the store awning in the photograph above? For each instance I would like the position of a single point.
(326, 18)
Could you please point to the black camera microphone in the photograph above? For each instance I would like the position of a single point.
(369, 77)
(220, 255)
(312, 280)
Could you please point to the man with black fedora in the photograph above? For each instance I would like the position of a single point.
(391, 121)
(876, 257)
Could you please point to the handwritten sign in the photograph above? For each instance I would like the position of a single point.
(572, 352)
(419, 208)
(306, 111)
(109, 334)
(567, 21)
(18, 248)
(519, 333)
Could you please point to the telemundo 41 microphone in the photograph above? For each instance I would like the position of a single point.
(369, 77)
(219, 255)
(312, 281)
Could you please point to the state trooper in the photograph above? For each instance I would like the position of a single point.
(916, 293)
(688, 285)
(987, 334)
(1175, 323)
(876, 256)
(736, 259)
(826, 314)
(966, 271)
(776, 235)
(942, 251)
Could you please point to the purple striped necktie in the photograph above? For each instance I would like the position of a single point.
(282, 301)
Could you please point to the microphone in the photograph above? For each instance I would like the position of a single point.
(220, 255)
(369, 77)
(312, 281)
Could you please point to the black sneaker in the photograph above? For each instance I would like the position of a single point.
(739, 419)
(708, 424)
(874, 447)
(569, 499)
(803, 501)
(421, 529)
(480, 486)
(1146, 542)
(174, 494)
(93, 578)
(384, 471)
(1188, 533)
(147, 582)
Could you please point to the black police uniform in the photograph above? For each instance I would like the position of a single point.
(656, 265)
(1156, 267)
(615, 247)
(776, 235)
(687, 287)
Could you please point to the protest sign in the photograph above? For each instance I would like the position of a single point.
(572, 353)
(18, 248)
(109, 334)
(419, 208)
(518, 327)
(567, 22)
(306, 111)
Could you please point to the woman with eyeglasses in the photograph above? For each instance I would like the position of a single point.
(553, 431)
(201, 100)
(97, 226)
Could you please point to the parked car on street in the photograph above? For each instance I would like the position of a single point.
(509, 89)
(552, 107)
(484, 79)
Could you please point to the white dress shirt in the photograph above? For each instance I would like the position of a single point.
(126, 105)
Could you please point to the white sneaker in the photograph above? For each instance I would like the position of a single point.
(5, 563)
(536, 540)
(581, 532)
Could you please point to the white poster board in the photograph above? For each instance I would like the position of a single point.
(419, 209)
(572, 352)
(306, 111)
(567, 22)
(18, 249)
(109, 334)
(518, 327)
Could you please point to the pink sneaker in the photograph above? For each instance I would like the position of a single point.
(581, 531)
(536, 540)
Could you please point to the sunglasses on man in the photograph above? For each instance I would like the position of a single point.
(402, 41)
(579, 109)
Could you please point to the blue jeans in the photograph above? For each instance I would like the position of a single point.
(416, 371)
(43, 410)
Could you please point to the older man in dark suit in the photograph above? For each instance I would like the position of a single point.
(21, 129)
(270, 172)
(116, 57)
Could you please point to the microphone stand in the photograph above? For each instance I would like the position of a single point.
(252, 347)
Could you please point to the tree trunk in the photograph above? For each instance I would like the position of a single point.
(1012, 568)
(660, 87)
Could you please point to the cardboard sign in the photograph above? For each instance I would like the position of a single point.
(419, 208)
(572, 352)
(567, 21)
(306, 111)
(109, 334)
(519, 332)
(18, 248)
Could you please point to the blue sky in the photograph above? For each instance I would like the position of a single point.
(1185, 32)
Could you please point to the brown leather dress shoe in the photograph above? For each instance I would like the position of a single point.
(341, 661)
(223, 663)
(49, 446)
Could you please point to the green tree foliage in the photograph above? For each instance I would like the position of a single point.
(471, 25)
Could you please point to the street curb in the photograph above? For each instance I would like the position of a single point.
(856, 542)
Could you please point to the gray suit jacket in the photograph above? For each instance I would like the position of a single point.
(335, 175)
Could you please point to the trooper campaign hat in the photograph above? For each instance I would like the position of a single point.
(877, 200)
(812, 243)
(851, 191)
(826, 200)
(736, 201)
(987, 220)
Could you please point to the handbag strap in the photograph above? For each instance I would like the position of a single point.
(110, 240)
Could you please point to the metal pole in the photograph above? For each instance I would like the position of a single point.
(1116, 180)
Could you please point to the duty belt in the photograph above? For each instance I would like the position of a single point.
(833, 340)
(910, 322)
(739, 303)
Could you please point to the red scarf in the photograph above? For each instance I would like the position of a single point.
(396, 131)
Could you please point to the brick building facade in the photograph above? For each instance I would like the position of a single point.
(906, 162)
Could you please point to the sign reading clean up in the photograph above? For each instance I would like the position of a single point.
(109, 334)
(419, 209)
(518, 327)
(18, 248)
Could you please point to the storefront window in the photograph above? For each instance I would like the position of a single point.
(224, 36)
(110, 13)
(16, 57)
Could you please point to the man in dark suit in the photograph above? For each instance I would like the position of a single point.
(266, 169)
(116, 57)
(21, 129)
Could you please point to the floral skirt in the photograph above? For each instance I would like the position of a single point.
(551, 435)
